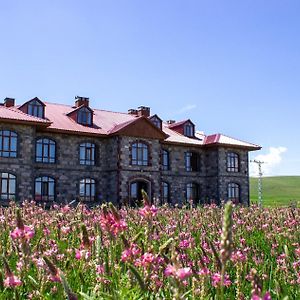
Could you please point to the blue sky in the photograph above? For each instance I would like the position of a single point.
(231, 66)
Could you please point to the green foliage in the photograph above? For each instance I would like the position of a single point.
(277, 191)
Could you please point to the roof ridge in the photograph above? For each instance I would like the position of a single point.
(94, 109)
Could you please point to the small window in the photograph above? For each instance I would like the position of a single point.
(87, 189)
(36, 109)
(165, 160)
(165, 192)
(87, 154)
(8, 143)
(192, 192)
(45, 151)
(192, 162)
(8, 186)
(234, 192)
(139, 154)
(188, 130)
(44, 189)
(156, 121)
(232, 162)
(84, 116)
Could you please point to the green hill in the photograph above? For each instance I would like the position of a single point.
(277, 191)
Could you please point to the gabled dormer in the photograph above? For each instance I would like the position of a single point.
(34, 107)
(186, 127)
(156, 120)
(82, 114)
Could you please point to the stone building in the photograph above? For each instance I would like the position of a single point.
(54, 152)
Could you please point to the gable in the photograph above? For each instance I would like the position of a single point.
(74, 114)
(140, 127)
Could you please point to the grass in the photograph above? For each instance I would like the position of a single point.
(277, 191)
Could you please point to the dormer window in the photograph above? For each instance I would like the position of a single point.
(156, 121)
(188, 130)
(36, 109)
(186, 127)
(84, 116)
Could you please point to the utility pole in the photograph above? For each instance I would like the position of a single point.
(259, 185)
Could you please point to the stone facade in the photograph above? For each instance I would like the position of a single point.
(114, 172)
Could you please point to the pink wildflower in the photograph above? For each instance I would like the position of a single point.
(85, 254)
(179, 273)
(130, 253)
(55, 278)
(184, 244)
(183, 273)
(148, 211)
(12, 281)
(216, 280)
(27, 232)
(109, 222)
(267, 296)
(170, 270)
(204, 272)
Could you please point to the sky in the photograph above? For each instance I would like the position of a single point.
(232, 67)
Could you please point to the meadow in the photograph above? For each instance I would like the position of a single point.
(277, 190)
(149, 253)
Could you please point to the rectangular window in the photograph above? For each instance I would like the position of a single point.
(165, 160)
(87, 154)
(233, 162)
(192, 162)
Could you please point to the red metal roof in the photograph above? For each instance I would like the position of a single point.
(107, 122)
(14, 114)
(179, 123)
(221, 139)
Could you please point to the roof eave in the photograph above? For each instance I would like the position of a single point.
(75, 132)
(250, 148)
(25, 122)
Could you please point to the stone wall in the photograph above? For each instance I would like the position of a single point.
(241, 177)
(178, 177)
(129, 172)
(113, 171)
(21, 166)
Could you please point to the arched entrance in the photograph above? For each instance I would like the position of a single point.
(135, 189)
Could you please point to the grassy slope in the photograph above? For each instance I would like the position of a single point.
(279, 190)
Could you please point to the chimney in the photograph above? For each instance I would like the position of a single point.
(9, 102)
(171, 122)
(143, 111)
(132, 111)
(81, 101)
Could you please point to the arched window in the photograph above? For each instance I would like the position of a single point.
(45, 151)
(234, 192)
(8, 143)
(87, 154)
(87, 189)
(165, 192)
(192, 161)
(84, 116)
(165, 160)
(192, 192)
(36, 109)
(139, 154)
(44, 189)
(8, 186)
(233, 162)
